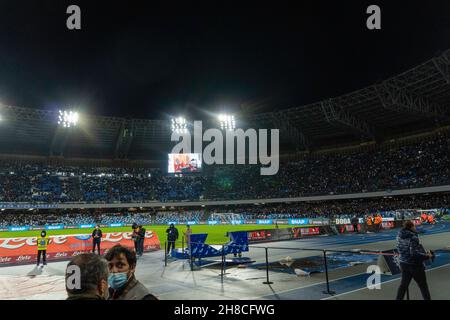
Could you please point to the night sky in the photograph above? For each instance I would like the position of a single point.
(150, 60)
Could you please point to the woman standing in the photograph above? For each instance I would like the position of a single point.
(412, 258)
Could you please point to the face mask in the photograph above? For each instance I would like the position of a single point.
(42, 235)
(117, 280)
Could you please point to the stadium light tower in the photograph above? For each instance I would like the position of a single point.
(179, 125)
(68, 119)
(227, 122)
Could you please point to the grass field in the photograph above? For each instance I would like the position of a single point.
(216, 233)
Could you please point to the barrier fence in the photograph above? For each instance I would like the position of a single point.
(268, 259)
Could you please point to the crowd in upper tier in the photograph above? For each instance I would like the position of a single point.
(424, 163)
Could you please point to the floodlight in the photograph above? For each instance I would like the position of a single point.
(68, 119)
(227, 122)
(179, 125)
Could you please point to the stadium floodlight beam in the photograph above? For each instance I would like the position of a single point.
(68, 119)
(179, 125)
(227, 122)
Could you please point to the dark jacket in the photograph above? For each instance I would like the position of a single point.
(85, 296)
(135, 235)
(133, 290)
(411, 251)
(97, 232)
(172, 234)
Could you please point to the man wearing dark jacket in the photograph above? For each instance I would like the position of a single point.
(141, 234)
(122, 281)
(355, 222)
(172, 236)
(135, 237)
(412, 257)
(96, 238)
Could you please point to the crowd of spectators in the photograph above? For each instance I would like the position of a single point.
(341, 208)
(420, 164)
(42, 218)
(180, 217)
(388, 207)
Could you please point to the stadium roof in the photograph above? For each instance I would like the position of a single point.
(415, 100)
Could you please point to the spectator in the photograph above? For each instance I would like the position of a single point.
(87, 278)
(122, 280)
(412, 257)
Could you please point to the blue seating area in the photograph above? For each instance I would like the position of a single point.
(421, 164)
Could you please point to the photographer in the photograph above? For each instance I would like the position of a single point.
(122, 281)
(412, 258)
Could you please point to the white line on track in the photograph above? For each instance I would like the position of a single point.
(397, 279)
(309, 285)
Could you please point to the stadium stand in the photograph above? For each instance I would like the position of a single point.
(422, 164)
(387, 207)
(40, 219)
(390, 136)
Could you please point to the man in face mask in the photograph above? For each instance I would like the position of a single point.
(122, 281)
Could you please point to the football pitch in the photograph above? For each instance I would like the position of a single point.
(216, 233)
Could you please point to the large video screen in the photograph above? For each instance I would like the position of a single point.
(185, 162)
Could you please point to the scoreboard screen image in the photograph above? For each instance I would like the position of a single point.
(185, 163)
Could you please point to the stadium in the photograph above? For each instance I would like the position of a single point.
(353, 168)
(56, 178)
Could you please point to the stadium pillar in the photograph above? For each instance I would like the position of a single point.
(267, 267)
(326, 274)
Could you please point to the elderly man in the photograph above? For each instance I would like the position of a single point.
(87, 277)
